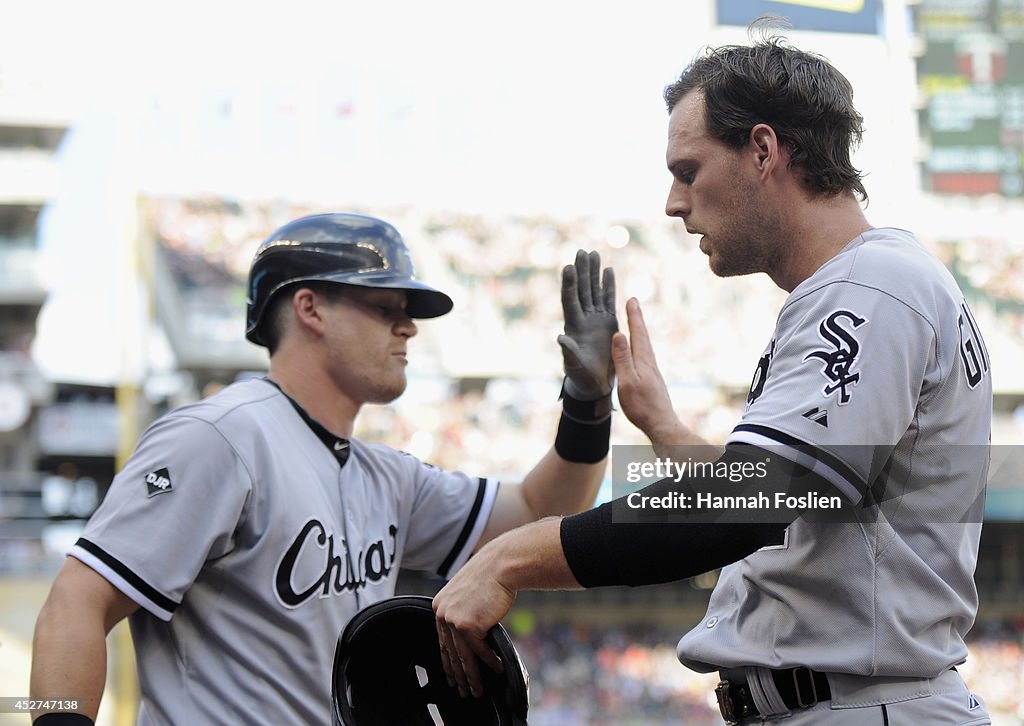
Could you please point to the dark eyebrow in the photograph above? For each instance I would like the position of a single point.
(679, 166)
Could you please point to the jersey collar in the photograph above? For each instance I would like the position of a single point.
(338, 446)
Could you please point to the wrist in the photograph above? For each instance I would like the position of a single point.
(668, 437)
(584, 429)
(569, 388)
(524, 558)
(580, 443)
(583, 410)
(506, 564)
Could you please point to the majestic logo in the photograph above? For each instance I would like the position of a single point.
(816, 415)
(839, 362)
(761, 374)
(339, 571)
(158, 482)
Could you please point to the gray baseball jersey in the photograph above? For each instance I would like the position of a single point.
(250, 535)
(876, 364)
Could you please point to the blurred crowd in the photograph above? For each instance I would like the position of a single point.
(581, 674)
(995, 665)
(504, 274)
(605, 676)
(992, 272)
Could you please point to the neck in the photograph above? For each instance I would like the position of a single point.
(310, 386)
(818, 232)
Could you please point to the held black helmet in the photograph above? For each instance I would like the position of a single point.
(352, 249)
(388, 672)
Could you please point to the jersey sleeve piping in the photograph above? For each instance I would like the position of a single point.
(487, 491)
(820, 462)
(124, 579)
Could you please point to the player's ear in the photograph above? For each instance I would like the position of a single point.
(306, 306)
(765, 147)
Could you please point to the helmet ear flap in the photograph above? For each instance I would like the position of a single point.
(388, 672)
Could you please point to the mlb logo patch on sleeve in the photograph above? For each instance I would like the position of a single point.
(158, 482)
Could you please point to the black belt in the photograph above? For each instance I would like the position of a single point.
(799, 688)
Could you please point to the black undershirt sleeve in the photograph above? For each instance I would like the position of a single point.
(603, 550)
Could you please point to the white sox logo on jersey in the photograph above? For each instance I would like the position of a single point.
(839, 362)
(343, 571)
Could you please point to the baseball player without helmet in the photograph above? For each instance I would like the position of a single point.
(342, 247)
(387, 672)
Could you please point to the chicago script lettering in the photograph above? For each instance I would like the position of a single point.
(341, 571)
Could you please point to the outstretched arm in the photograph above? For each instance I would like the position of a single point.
(598, 547)
(567, 478)
(69, 650)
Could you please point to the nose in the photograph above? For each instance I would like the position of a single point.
(405, 326)
(678, 203)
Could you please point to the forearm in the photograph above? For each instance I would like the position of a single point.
(617, 544)
(527, 558)
(69, 659)
(601, 552)
(670, 435)
(556, 486)
(69, 649)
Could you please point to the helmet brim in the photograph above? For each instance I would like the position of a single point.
(423, 301)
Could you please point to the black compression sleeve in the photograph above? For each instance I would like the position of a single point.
(601, 549)
(600, 552)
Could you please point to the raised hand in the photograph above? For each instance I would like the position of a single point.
(588, 303)
(643, 395)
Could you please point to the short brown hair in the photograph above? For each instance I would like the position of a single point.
(276, 316)
(807, 102)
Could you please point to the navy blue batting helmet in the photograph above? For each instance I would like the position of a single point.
(342, 247)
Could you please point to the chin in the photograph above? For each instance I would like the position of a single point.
(387, 394)
(723, 267)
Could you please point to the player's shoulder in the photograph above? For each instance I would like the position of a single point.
(239, 401)
(890, 262)
(887, 254)
(377, 454)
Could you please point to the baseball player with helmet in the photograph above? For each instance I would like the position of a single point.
(875, 387)
(248, 528)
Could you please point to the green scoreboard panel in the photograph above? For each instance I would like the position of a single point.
(972, 76)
